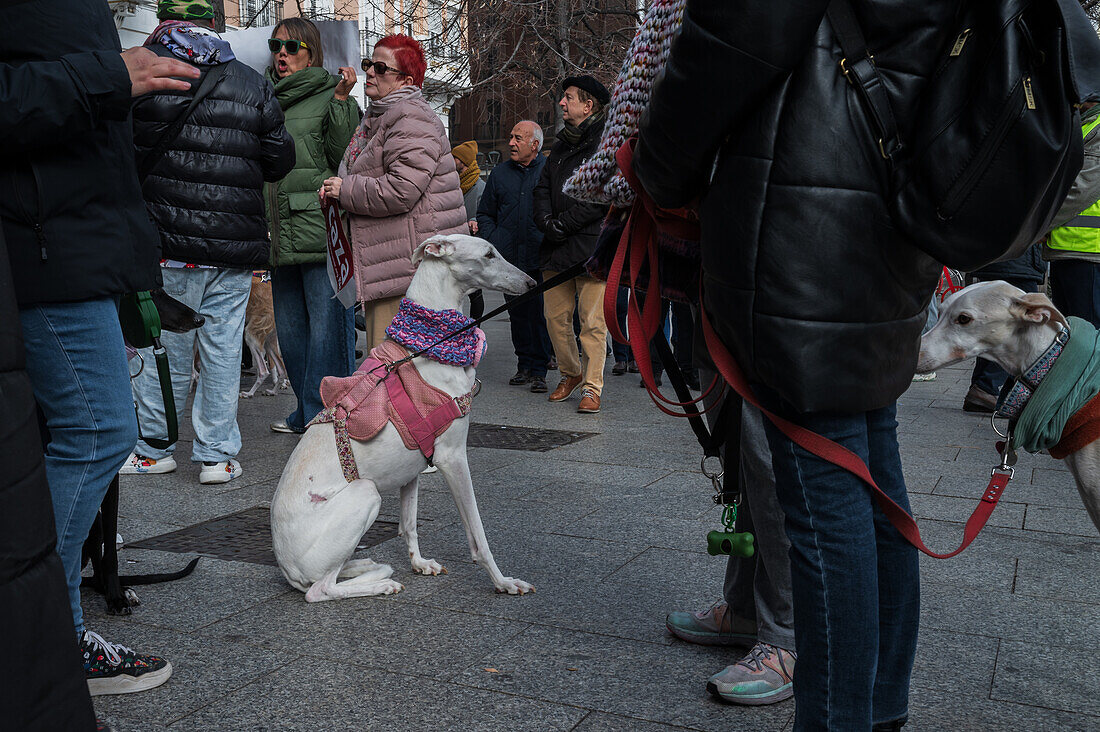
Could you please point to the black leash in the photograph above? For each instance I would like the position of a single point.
(574, 271)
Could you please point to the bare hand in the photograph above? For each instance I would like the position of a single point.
(150, 72)
(330, 188)
(347, 81)
(473, 225)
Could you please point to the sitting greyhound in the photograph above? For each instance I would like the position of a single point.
(1014, 329)
(322, 507)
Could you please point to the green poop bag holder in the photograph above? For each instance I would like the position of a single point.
(729, 540)
(140, 321)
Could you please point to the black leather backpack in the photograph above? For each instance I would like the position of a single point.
(996, 142)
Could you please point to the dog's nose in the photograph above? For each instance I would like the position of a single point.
(198, 321)
(531, 284)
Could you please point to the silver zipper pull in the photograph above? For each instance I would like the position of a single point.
(1028, 94)
(960, 42)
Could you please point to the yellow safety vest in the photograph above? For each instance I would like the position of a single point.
(1082, 232)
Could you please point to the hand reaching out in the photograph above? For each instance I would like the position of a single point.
(150, 72)
(347, 81)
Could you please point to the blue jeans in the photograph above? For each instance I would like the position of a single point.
(221, 296)
(77, 364)
(316, 334)
(855, 579)
(529, 335)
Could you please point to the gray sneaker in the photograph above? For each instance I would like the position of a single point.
(765, 676)
(715, 626)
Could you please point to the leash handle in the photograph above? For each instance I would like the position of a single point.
(840, 456)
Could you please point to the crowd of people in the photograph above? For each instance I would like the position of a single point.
(218, 173)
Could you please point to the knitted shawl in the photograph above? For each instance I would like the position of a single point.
(597, 180)
(417, 327)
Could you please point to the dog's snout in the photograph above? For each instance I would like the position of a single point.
(531, 284)
(198, 321)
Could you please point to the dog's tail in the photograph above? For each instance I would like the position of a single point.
(148, 579)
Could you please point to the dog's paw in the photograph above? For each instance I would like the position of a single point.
(390, 587)
(428, 566)
(245, 395)
(269, 392)
(513, 586)
(284, 385)
(131, 596)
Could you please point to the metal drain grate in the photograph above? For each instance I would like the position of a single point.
(506, 437)
(244, 536)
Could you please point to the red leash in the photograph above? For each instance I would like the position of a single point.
(826, 449)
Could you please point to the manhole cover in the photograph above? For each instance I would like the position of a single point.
(244, 536)
(506, 437)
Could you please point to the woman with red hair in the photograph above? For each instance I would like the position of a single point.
(397, 180)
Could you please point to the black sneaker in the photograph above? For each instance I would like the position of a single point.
(538, 384)
(114, 669)
(619, 368)
(522, 377)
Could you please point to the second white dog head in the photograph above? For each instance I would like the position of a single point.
(474, 263)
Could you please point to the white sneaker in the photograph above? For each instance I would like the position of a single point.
(428, 470)
(141, 465)
(222, 472)
(930, 376)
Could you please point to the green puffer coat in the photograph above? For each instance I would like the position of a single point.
(321, 127)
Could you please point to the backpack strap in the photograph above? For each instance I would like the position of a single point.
(151, 158)
(859, 69)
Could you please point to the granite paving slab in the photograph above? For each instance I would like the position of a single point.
(1023, 676)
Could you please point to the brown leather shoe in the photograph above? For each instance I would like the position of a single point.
(566, 387)
(979, 401)
(590, 402)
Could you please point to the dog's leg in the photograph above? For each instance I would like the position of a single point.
(279, 379)
(456, 472)
(407, 529)
(367, 584)
(1085, 467)
(118, 600)
(357, 567)
(258, 361)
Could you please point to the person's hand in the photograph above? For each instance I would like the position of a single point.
(554, 230)
(150, 72)
(347, 81)
(330, 188)
(473, 225)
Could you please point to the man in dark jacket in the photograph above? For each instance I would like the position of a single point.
(206, 194)
(570, 229)
(78, 236)
(505, 219)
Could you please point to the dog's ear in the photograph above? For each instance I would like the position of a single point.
(1034, 307)
(435, 246)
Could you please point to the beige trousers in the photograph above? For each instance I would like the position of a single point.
(558, 303)
(378, 315)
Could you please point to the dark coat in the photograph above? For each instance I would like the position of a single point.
(71, 206)
(49, 691)
(807, 281)
(505, 215)
(1028, 268)
(206, 192)
(579, 221)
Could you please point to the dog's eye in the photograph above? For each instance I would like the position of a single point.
(489, 254)
(963, 319)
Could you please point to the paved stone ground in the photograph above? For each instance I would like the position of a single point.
(611, 531)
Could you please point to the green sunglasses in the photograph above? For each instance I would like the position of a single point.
(292, 45)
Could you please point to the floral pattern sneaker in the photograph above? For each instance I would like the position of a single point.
(715, 626)
(141, 465)
(111, 668)
(765, 676)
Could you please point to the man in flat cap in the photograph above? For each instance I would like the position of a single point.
(570, 228)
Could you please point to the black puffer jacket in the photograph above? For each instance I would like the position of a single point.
(206, 193)
(579, 221)
(69, 196)
(817, 294)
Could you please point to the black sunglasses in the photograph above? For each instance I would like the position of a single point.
(292, 45)
(380, 67)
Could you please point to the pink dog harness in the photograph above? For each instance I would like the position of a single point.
(359, 410)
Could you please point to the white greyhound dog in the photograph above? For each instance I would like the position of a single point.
(1013, 329)
(318, 517)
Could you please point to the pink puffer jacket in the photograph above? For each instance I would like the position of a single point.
(402, 189)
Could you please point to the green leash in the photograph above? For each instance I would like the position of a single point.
(140, 323)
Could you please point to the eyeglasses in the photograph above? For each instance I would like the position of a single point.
(292, 45)
(380, 67)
